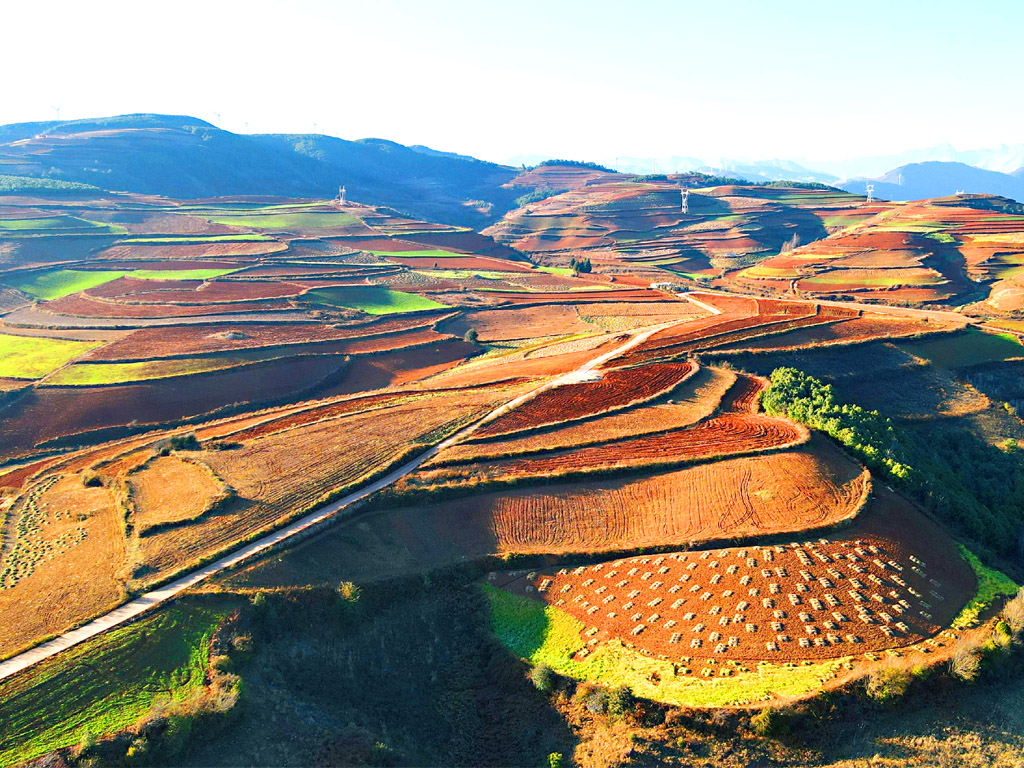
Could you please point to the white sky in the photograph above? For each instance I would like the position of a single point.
(562, 78)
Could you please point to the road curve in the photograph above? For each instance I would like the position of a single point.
(156, 597)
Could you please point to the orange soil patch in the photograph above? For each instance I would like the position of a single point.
(873, 588)
(759, 495)
(502, 369)
(279, 474)
(520, 323)
(72, 550)
(615, 389)
(170, 490)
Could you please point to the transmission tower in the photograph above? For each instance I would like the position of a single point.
(871, 193)
(341, 196)
(685, 193)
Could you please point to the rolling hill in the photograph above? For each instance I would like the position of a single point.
(184, 157)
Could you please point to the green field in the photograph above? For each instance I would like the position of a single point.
(54, 283)
(85, 374)
(106, 683)
(57, 224)
(465, 274)
(869, 280)
(280, 220)
(373, 300)
(973, 347)
(543, 634)
(992, 585)
(30, 357)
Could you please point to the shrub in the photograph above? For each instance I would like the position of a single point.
(543, 677)
(555, 760)
(620, 700)
(91, 480)
(966, 661)
(187, 442)
(1013, 614)
(769, 722)
(888, 684)
(471, 336)
(596, 701)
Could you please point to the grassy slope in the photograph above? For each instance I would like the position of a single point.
(992, 584)
(277, 220)
(58, 224)
(30, 357)
(106, 683)
(544, 634)
(373, 300)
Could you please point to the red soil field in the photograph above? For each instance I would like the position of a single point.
(520, 323)
(738, 430)
(172, 251)
(559, 177)
(501, 369)
(866, 328)
(130, 291)
(168, 265)
(314, 270)
(310, 415)
(884, 584)
(184, 340)
(385, 244)
(83, 306)
(466, 242)
(460, 262)
(726, 435)
(615, 389)
(51, 412)
(580, 297)
(796, 490)
(370, 372)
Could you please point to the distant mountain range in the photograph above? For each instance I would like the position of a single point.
(185, 157)
(918, 181)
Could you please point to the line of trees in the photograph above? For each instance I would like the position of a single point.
(975, 487)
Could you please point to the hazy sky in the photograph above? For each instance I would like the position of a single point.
(818, 79)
